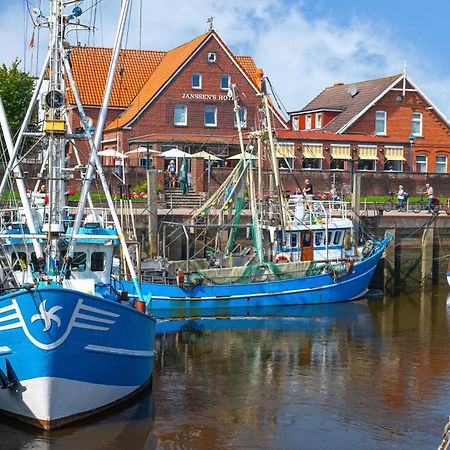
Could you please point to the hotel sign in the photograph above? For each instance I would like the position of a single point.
(209, 97)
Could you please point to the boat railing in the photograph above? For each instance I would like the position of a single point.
(14, 218)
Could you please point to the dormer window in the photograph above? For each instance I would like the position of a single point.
(308, 121)
(295, 123)
(318, 120)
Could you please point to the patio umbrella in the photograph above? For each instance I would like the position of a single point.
(239, 156)
(112, 153)
(175, 153)
(141, 150)
(206, 155)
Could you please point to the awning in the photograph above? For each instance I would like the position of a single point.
(394, 153)
(367, 152)
(340, 152)
(285, 151)
(312, 151)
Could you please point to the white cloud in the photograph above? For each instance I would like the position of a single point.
(301, 56)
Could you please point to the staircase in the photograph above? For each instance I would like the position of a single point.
(173, 199)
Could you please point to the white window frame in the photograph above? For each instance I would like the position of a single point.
(444, 164)
(421, 163)
(211, 125)
(384, 118)
(295, 123)
(415, 120)
(222, 77)
(199, 80)
(180, 124)
(318, 120)
(242, 117)
(308, 121)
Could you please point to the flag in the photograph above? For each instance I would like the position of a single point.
(183, 177)
(31, 43)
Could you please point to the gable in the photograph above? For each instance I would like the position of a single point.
(172, 65)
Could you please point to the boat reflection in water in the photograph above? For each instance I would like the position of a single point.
(129, 427)
(285, 318)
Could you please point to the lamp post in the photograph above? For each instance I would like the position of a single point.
(411, 142)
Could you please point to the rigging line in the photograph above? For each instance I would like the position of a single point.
(92, 6)
(277, 98)
(140, 25)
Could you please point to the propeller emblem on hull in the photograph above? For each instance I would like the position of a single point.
(47, 316)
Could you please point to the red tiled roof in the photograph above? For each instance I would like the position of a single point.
(337, 97)
(90, 67)
(327, 136)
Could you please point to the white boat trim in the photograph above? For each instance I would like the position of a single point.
(120, 351)
(4, 350)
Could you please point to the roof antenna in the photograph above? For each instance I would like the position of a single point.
(210, 21)
(404, 78)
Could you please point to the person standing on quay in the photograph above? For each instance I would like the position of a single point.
(430, 195)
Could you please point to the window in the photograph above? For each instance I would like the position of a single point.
(393, 166)
(312, 163)
(210, 116)
(421, 163)
(180, 115)
(242, 117)
(286, 163)
(308, 121)
(196, 81)
(79, 262)
(318, 120)
(19, 260)
(337, 238)
(294, 240)
(367, 165)
(441, 164)
(98, 261)
(225, 81)
(318, 241)
(380, 122)
(295, 123)
(337, 164)
(416, 125)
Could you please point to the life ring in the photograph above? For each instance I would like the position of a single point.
(282, 257)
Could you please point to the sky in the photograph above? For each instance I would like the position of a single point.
(303, 46)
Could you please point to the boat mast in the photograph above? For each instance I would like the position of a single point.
(94, 161)
(251, 187)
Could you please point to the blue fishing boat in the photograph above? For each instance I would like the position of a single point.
(70, 345)
(303, 251)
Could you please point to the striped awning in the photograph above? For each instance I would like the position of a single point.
(367, 152)
(340, 151)
(285, 150)
(394, 154)
(313, 151)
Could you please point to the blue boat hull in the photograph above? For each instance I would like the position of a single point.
(164, 300)
(69, 354)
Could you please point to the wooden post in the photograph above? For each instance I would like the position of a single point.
(427, 255)
(391, 261)
(152, 205)
(356, 201)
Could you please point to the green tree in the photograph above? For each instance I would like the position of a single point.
(16, 89)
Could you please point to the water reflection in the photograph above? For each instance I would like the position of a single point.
(357, 375)
(128, 428)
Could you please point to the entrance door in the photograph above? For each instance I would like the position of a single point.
(307, 243)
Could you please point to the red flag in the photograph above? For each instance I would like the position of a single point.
(31, 44)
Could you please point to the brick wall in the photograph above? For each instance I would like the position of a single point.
(435, 139)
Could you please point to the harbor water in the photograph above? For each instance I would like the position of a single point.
(367, 375)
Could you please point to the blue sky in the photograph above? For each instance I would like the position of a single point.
(303, 45)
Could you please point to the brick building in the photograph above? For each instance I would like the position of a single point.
(402, 129)
(162, 100)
